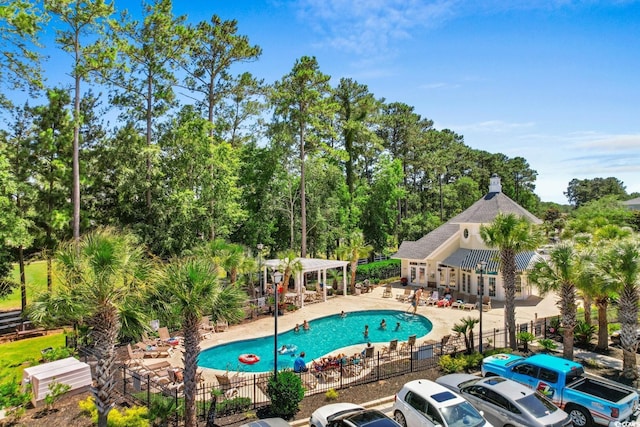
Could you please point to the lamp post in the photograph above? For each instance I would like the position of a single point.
(277, 277)
(260, 285)
(481, 266)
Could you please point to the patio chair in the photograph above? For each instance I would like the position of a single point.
(486, 303)
(392, 347)
(406, 346)
(226, 386)
(368, 355)
(205, 324)
(472, 303)
(404, 296)
(433, 298)
(228, 381)
(222, 325)
(457, 302)
(387, 292)
(150, 350)
(446, 346)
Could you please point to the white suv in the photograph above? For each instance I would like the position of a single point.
(423, 403)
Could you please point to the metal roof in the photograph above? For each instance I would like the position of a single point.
(309, 264)
(468, 259)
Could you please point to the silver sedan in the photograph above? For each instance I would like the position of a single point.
(505, 402)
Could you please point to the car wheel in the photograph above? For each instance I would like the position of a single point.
(580, 417)
(399, 418)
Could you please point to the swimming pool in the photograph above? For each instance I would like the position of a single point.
(326, 335)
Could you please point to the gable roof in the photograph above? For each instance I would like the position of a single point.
(428, 243)
(487, 208)
(483, 211)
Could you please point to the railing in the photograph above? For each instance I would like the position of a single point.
(251, 394)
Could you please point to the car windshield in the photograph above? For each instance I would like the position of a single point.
(462, 415)
(537, 405)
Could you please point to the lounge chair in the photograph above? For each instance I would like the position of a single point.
(387, 292)
(404, 296)
(368, 355)
(406, 346)
(151, 350)
(229, 389)
(472, 303)
(392, 347)
(205, 324)
(433, 298)
(446, 346)
(233, 381)
(222, 325)
(486, 303)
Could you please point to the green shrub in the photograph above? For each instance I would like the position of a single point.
(376, 271)
(525, 338)
(229, 406)
(286, 392)
(56, 390)
(584, 333)
(547, 344)
(11, 394)
(136, 416)
(472, 361)
(451, 365)
(331, 394)
(57, 353)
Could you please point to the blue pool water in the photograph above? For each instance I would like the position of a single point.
(326, 335)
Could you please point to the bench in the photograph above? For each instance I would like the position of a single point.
(28, 330)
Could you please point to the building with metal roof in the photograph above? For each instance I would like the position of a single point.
(451, 254)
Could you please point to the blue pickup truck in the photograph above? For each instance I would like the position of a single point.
(586, 398)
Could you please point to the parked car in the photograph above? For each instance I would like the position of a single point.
(267, 422)
(587, 399)
(504, 402)
(349, 415)
(424, 403)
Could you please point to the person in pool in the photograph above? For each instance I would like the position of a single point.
(366, 332)
(343, 314)
(383, 325)
(397, 326)
(296, 329)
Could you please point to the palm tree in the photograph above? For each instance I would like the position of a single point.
(619, 266)
(99, 279)
(510, 234)
(465, 328)
(289, 264)
(353, 251)
(228, 256)
(191, 288)
(561, 273)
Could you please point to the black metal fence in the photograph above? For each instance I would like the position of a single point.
(249, 392)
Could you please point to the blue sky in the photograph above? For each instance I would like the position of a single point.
(555, 82)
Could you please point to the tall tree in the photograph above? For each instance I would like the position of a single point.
(302, 101)
(619, 265)
(581, 191)
(20, 23)
(82, 18)
(17, 228)
(150, 51)
(190, 288)
(52, 149)
(561, 273)
(511, 235)
(100, 275)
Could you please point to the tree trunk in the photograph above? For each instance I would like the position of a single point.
(603, 331)
(211, 413)
(508, 259)
(587, 309)
(191, 350)
(23, 280)
(105, 333)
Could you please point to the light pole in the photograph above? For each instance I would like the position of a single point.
(260, 248)
(481, 266)
(277, 277)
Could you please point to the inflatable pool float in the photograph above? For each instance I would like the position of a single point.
(249, 359)
(288, 349)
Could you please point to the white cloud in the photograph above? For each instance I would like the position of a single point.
(492, 126)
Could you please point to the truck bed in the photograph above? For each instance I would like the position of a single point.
(600, 389)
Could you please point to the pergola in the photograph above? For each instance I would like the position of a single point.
(308, 265)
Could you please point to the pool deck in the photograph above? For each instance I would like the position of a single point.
(443, 319)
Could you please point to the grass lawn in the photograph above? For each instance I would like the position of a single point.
(15, 353)
(36, 276)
